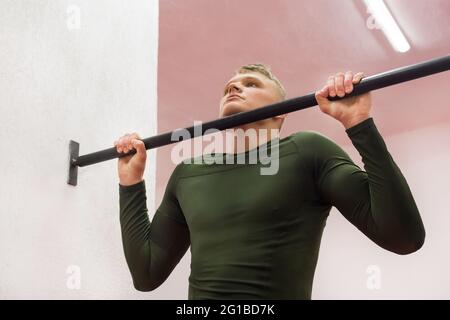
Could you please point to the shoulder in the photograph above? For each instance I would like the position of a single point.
(186, 167)
(176, 173)
(316, 145)
(310, 138)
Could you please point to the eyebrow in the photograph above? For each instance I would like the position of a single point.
(243, 78)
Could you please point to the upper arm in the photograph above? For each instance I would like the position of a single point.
(169, 242)
(339, 181)
(169, 233)
(153, 249)
(377, 201)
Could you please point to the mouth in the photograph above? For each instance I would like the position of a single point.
(233, 97)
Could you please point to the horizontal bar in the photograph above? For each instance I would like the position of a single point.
(367, 84)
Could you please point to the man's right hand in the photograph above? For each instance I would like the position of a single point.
(131, 168)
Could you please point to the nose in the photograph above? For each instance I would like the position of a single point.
(233, 88)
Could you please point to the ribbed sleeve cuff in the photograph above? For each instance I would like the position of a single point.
(360, 127)
(133, 188)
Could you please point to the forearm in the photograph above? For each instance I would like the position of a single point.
(392, 212)
(135, 227)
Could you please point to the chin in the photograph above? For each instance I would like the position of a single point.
(232, 109)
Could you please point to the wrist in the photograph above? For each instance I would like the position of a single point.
(354, 121)
(127, 183)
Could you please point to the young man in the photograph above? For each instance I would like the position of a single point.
(256, 236)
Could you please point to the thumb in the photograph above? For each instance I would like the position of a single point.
(140, 148)
(321, 97)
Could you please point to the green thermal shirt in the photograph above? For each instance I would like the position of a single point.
(255, 236)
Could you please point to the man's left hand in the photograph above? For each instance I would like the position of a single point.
(349, 111)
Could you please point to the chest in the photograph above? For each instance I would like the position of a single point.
(240, 195)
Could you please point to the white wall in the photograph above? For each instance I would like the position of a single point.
(344, 267)
(90, 82)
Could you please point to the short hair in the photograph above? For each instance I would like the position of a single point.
(264, 70)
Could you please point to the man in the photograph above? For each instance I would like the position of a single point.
(256, 236)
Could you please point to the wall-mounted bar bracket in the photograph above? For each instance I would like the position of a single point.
(74, 150)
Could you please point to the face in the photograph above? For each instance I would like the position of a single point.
(248, 91)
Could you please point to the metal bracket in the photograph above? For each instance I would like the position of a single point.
(74, 151)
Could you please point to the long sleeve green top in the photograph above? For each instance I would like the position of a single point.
(255, 236)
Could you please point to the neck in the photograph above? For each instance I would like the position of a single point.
(252, 135)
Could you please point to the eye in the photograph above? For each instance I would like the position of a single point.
(247, 84)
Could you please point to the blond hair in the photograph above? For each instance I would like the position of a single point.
(264, 70)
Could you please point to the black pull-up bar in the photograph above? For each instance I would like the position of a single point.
(367, 84)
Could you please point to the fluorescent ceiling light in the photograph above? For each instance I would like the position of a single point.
(384, 19)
